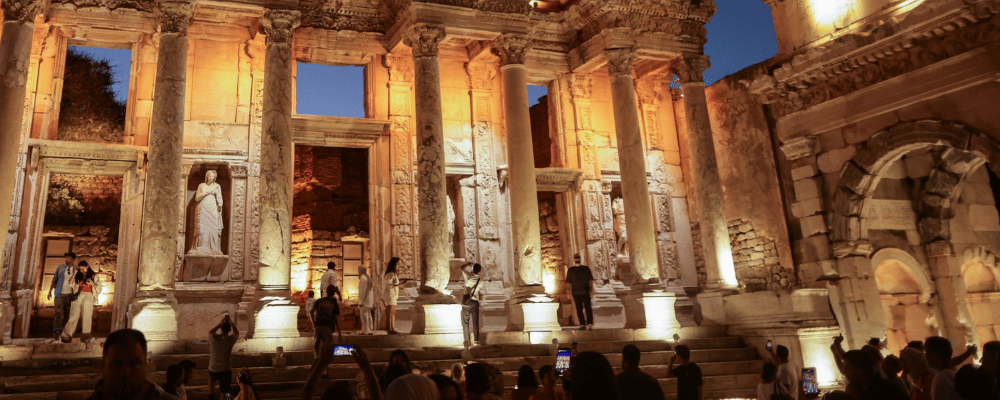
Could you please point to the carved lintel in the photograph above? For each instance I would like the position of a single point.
(24, 10)
(424, 39)
(690, 68)
(279, 25)
(174, 16)
(511, 48)
(620, 61)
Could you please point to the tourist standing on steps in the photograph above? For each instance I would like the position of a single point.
(87, 286)
(366, 300)
(61, 284)
(688, 374)
(221, 346)
(581, 283)
(124, 370)
(470, 303)
(392, 284)
(786, 375)
(633, 383)
(324, 315)
(329, 278)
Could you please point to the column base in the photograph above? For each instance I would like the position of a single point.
(609, 312)
(650, 306)
(442, 318)
(276, 317)
(154, 313)
(710, 308)
(541, 317)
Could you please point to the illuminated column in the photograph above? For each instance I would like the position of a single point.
(432, 195)
(539, 312)
(277, 316)
(705, 174)
(520, 159)
(632, 159)
(154, 310)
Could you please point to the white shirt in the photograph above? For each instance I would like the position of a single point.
(786, 376)
(329, 278)
(943, 387)
(366, 296)
(765, 390)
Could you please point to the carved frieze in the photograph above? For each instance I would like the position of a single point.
(341, 15)
(494, 6)
(174, 16)
(481, 75)
(683, 20)
(580, 85)
(423, 39)
(512, 49)
(23, 10)
(279, 25)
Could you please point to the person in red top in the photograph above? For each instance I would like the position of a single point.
(87, 286)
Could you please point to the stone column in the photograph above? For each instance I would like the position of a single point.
(527, 240)
(154, 310)
(711, 208)
(957, 323)
(432, 195)
(277, 315)
(539, 313)
(639, 218)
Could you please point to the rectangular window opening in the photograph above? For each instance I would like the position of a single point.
(93, 103)
(538, 100)
(330, 90)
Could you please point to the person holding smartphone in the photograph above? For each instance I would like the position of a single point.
(221, 350)
(391, 297)
(786, 375)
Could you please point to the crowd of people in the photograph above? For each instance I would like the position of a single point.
(77, 287)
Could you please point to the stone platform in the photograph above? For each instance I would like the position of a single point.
(31, 370)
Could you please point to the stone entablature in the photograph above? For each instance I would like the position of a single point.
(816, 74)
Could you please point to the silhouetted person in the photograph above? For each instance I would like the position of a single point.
(548, 391)
(633, 384)
(527, 384)
(689, 381)
(221, 346)
(124, 369)
(938, 350)
(864, 382)
(592, 377)
(175, 380)
(581, 282)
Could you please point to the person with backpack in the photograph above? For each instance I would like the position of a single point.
(470, 303)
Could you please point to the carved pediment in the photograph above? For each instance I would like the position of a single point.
(343, 15)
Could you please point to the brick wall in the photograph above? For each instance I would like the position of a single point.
(540, 139)
(756, 257)
(331, 186)
(84, 200)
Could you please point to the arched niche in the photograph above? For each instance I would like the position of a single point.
(905, 291)
(897, 272)
(979, 271)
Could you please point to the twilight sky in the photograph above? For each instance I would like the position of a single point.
(740, 34)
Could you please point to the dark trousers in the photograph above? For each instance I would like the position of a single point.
(59, 318)
(583, 301)
(470, 316)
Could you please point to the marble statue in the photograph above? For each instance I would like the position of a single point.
(208, 217)
(451, 229)
(618, 209)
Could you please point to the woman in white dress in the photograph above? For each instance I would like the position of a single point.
(392, 284)
(208, 217)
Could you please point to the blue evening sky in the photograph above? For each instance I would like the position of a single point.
(740, 34)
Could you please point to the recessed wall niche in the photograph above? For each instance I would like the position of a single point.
(205, 257)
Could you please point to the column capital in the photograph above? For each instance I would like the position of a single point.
(620, 61)
(174, 16)
(648, 88)
(23, 10)
(689, 68)
(279, 25)
(423, 39)
(511, 48)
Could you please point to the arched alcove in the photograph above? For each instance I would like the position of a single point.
(982, 284)
(905, 290)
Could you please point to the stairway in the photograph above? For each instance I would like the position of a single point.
(33, 371)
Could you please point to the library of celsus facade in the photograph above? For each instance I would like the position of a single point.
(842, 186)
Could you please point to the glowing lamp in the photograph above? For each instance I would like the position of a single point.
(826, 13)
(549, 282)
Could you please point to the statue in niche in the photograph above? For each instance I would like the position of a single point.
(618, 210)
(451, 229)
(208, 217)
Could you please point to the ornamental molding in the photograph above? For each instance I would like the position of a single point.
(690, 68)
(174, 16)
(340, 15)
(683, 20)
(512, 49)
(279, 25)
(620, 61)
(856, 61)
(424, 39)
(23, 10)
(521, 7)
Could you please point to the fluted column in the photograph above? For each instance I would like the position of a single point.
(708, 196)
(520, 159)
(155, 308)
(639, 218)
(432, 194)
(277, 316)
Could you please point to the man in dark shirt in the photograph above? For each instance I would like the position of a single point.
(867, 383)
(581, 283)
(688, 374)
(633, 384)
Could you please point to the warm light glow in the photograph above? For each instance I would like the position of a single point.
(277, 318)
(726, 267)
(827, 13)
(539, 337)
(549, 281)
(443, 318)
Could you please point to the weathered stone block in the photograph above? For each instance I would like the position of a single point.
(808, 207)
(932, 229)
(855, 178)
(803, 172)
(984, 218)
(941, 183)
(806, 189)
(918, 165)
(813, 248)
(833, 161)
(813, 225)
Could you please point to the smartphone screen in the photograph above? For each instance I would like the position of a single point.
(343, 350)
(769, 345)
(562, 360)
(810, 384)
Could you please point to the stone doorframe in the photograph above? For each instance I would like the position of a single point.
(965, 150)
(59, 157)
